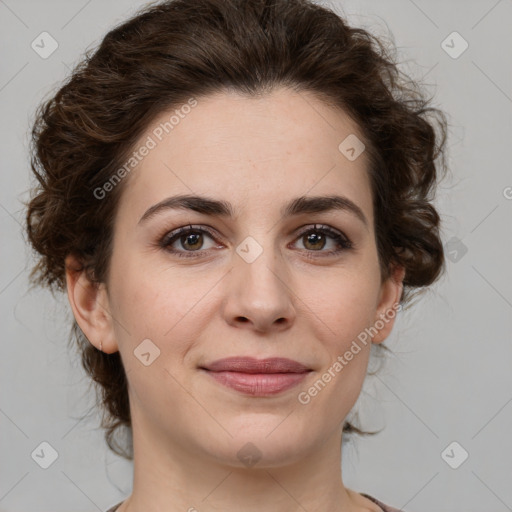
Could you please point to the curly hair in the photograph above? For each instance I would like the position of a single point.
(172, 50)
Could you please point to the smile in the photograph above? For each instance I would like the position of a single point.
(257, 377)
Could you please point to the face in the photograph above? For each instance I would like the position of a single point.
(252, 275)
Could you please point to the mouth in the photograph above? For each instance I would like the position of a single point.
(257, 377)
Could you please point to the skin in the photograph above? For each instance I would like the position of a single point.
(258, 154)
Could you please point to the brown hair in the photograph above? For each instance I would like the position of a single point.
(176, 49)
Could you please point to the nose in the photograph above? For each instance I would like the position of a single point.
(258, 295)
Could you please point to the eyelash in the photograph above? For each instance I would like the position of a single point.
(169, 238)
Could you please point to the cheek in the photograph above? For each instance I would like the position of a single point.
(345, 312)
(344, 304)
(160, 304)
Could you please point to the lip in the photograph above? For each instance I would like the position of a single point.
(257, 377)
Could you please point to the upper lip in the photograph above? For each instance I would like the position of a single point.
(252, 365)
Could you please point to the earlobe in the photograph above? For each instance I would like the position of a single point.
(389, 304)
(89, 303)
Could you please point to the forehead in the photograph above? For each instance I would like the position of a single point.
(250, 151)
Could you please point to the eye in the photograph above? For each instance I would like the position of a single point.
(315, 239)
(190, 239)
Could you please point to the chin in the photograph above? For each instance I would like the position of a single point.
(262, 444)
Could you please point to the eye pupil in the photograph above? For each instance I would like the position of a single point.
(314, 239)
(193, 238)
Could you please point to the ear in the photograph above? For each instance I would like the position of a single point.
(389, 304)
(90, 305)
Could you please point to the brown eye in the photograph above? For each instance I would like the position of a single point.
(314, 241)
(193, 241)
(186, 241)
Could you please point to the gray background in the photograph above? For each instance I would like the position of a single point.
(451, 379)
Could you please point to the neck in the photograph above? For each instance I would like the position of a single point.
(171, 478)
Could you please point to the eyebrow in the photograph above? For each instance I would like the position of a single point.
(299, 205)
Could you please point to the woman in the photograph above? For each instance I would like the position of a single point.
(236, 196)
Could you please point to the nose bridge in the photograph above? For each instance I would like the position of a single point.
(258, 265)
(258, 290)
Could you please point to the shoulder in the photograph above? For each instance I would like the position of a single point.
(385, 508)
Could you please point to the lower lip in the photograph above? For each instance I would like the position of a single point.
(258, 384)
